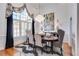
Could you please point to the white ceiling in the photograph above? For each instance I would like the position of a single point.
(34, 7)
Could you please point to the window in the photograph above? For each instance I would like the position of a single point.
(16, 28)
(21, 22)
(23, 28)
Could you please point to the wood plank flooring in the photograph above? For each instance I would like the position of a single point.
(12, 51)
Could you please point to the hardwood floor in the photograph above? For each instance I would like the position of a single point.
(67, 49)
(8, 52)
(12, 51)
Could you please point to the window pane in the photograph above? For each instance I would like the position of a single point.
(25, 20)
(26, 25)
(24, 15)
(16, 31)
(23, 28)
(14, 16)
(29, 26)
(17, 34)
(29, 19)
(18, 16)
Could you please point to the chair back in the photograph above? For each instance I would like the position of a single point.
(61, 34)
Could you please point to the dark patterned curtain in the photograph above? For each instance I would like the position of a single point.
(9, 35)
(33, 29)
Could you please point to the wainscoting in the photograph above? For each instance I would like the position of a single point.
(2, 42)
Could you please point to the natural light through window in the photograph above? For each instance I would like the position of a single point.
(21, 22)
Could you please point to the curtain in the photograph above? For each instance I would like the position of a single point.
(9, 35)
(33, 29)
(9, 17)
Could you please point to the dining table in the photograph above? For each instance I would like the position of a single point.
(51, 39)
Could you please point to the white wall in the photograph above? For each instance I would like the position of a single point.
(2, 26)
(78, 29)
(60, 11)
(72, 12)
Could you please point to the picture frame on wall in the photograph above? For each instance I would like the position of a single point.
(49, 22)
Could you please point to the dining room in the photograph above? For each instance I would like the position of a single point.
(40, 29)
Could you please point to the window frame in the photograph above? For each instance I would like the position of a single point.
(20, 24)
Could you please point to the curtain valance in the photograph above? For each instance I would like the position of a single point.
(15, 7)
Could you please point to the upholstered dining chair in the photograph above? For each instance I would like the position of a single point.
(59, 43)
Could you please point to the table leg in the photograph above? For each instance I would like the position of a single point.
(52, 47)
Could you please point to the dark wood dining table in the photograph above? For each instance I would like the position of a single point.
(49, 39)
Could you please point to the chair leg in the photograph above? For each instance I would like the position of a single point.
(61, 51)
(42, 49)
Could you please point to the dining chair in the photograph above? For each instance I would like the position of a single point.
(59, 43)
(28, 48)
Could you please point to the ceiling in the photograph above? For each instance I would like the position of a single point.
(33, 8)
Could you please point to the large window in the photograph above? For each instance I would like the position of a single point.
(16, 30)
(21, 23)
